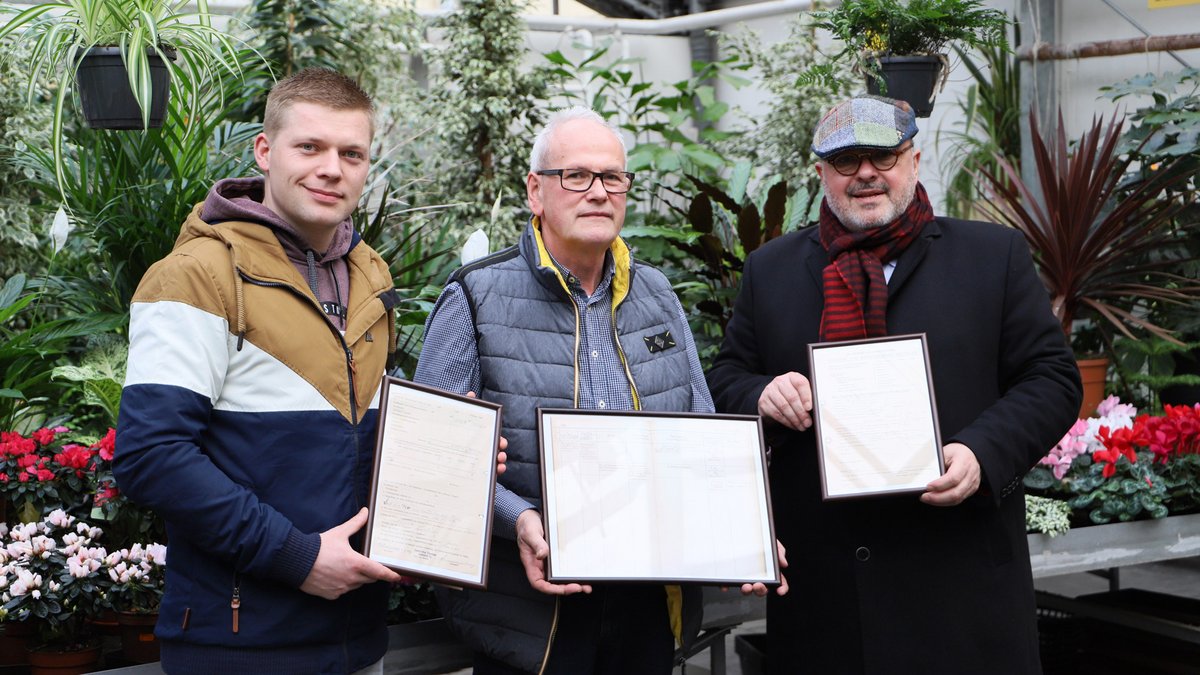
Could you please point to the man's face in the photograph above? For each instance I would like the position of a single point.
(871, 197)
(316, 166)
(578, 224)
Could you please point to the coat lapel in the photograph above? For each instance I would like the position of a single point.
(911, 258)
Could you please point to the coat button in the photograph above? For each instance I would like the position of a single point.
(862, 553)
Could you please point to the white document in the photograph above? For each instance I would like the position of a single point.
(876, 421)
(665, 497)
(431, 503)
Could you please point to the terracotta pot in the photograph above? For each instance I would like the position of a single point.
(105, 624)
(1093, 373)
(64, 663)
(137, 636)
(14, 643)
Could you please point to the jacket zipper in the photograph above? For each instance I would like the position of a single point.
(351, 368)
(550, 640)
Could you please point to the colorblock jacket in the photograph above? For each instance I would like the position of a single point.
(247, 422)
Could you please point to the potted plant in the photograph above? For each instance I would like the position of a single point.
(53, 578)
(1107, 242)
(1118, 465)
(113, 50)
(138, 574)
(51, 468)
(900, 44)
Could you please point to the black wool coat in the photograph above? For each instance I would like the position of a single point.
(888, 584)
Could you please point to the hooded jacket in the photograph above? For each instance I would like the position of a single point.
(248, 422)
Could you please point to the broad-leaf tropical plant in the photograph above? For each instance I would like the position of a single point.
(62, 31)
(1106, 239)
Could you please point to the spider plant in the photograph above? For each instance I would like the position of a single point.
(62, 32)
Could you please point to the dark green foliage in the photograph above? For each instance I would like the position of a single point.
(487, 108)
(129, 193)
(873, 28)
(991, 125)
(30, 347)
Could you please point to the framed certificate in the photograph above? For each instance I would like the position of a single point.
(875, 416)
(665, 497)
(430, 509)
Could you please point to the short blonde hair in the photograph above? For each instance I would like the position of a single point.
(315, 85)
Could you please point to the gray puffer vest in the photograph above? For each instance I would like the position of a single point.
(527, 332)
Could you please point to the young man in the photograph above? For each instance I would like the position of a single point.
(939, 583)
(249, 410)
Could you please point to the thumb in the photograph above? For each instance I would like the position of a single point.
(355, 523)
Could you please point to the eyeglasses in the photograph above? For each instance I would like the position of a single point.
(580, 180)
(847, 163)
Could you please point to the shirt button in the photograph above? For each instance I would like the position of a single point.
(595, 353)
(601, 404)
(863, 554)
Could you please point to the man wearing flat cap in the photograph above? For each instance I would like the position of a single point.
(933, 583)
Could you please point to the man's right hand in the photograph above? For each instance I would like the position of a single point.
(340, 569)
(531, 542)
(787, 399)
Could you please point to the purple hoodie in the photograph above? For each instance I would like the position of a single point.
(325, 273)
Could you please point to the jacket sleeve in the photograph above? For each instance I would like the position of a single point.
(736, 378)
(179, 346)
(1039, 382)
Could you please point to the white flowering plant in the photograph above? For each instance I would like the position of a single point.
(54, 578)
(138, 574)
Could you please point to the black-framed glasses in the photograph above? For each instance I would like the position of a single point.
(847, 163)
(580, 180)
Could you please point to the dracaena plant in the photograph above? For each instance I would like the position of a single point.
(1105, 232)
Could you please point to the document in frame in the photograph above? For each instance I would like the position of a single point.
(430, 509)
(875, 416)
(665, 497)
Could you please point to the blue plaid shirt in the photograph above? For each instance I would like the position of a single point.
(450, 360)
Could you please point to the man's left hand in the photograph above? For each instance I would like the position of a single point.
(760, 589)
(960, 481)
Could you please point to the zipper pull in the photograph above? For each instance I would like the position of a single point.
(353, 377)
(235, 604)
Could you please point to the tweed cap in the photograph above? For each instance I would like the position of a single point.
(864, 122)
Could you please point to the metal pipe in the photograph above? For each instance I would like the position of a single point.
(668, 26)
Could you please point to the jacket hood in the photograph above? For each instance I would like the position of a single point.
(241, 199)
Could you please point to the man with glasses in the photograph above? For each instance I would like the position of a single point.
(564, 319)
(939, 583)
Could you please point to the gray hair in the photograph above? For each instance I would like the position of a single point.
(541, 142)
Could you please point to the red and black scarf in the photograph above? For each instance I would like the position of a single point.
(855, 289)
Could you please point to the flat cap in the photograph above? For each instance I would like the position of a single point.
(864, 122)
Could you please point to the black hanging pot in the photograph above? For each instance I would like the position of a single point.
(907, 78)
(108, 101)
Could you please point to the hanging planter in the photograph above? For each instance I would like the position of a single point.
(108, 101)
(915, 79)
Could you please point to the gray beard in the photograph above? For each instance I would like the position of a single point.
(907, 192)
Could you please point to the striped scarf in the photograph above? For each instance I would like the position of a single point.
(855, 289)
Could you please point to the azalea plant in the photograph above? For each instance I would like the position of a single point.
(1121, 465)
(138, 574)
(48, 469)
(53, 577)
